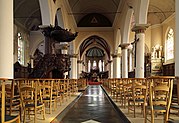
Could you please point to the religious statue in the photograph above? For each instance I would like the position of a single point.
(156, 52)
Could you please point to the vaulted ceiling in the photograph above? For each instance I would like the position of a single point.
(91, 13)
(27, 12)
(107, 8)
(160, 10)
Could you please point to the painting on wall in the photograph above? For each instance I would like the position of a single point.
(156, 67)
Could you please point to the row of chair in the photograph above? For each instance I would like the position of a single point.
(32, 96)
(82, 83)
(152, 94)
(6, 118)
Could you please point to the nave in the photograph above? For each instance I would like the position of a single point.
(94, 106)
(91, 104)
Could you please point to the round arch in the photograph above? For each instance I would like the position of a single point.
(165, 45)
(46, 14)
(59, 18)
(127, 26)
(140, 11)
(33, 49)
(147, 51)
(117, 41)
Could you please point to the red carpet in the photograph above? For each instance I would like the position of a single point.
(94, 83)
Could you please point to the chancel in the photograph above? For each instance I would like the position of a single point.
(89, 61)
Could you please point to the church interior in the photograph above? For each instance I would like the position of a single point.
(89, 61)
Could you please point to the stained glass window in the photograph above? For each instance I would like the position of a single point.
(20, 49)
(170, 45)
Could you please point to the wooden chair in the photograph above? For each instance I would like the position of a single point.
(64, 85)
(113, 87)
(160, 94)
(175, 98)
(139, 95)
(57, 91)
(74, 88)
(12, 98)
(47, 94)
(25, 82)
(31, 100)
(119, 88)
(80, 84)
(6, 118)
(126, 90)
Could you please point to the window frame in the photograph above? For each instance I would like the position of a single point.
(169, 59)
(20, 48)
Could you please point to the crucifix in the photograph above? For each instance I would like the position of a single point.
(134, 43)
(134, 47)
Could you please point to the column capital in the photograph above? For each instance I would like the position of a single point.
(140, 28)
(64, 46)
(124, 45)
(116, 55)
(31, 57)
(79, 61)
(73, 55)
(109, 61)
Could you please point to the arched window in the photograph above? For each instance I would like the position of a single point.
(20, 48)
(94, 65)
(169, 45)
(100, 66)
(89, 66)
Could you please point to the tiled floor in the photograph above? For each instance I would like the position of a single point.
(93, 107)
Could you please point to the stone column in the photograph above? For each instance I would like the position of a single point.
(110, 68)
(79, 69)
(177, 39)
(130, 60)
(73, 72)
(139, 30)
(6, 39)
(124, 48)
(64, 51)
(103, 66)
(83, 66)
(65, 75)
(32, 61)
(117, 66)
(64, 48)
(176, 46)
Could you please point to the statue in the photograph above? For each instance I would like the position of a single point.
(156, 52)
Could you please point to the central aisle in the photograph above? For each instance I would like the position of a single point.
(92, 107)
